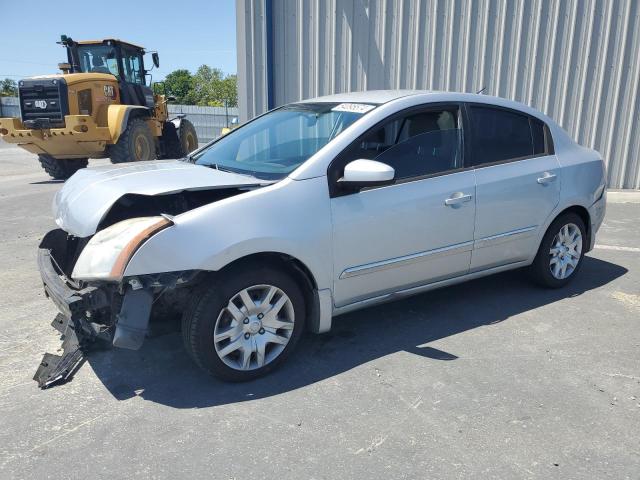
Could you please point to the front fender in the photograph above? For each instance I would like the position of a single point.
(117, 118)
(290, 217)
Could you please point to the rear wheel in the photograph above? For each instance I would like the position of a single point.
(181, 141)
(246, 324)
(135, 144)
(187, 136)
(61, 169)
(560, 255)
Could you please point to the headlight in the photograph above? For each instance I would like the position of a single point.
(107, 254)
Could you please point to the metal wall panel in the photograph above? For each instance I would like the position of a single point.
(576, 60)
(208, 121)
(9, 107)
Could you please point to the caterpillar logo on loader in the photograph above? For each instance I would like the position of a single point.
(99, 106)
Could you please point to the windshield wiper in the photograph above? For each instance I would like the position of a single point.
(229, 170)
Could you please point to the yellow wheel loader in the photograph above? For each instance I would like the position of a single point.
(99, 106)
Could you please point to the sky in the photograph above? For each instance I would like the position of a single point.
(186, 33)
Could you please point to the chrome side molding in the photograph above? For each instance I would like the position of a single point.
(406, 260)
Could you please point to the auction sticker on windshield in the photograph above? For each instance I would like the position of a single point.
(353, 107)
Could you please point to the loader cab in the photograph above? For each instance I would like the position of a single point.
(123, 60)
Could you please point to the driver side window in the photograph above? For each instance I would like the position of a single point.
(416, 144)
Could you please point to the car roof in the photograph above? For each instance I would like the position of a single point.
(369, 96)
(379, 97)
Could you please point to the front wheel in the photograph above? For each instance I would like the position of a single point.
(61, 169)
(245, 324)
(561, 252)
(135, 144)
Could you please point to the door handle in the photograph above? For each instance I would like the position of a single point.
(547, 178)
(457, 198)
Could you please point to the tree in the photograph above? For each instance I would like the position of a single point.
(230, 90)
(207, 87)
(179, 83)
(8, 88)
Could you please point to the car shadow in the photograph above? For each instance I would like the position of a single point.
(162, 372)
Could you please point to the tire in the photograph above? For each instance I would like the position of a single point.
(170, 142)
(179, 142)
(61, 169)
(135, 144)
(556, 268)
(187, 136)
(208, 318)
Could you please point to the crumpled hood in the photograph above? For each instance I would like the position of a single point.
(88, 195)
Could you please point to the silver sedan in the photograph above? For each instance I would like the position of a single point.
(315, 209)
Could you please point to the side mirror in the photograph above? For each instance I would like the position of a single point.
(170, 98)
(366, 173)
(156, 59)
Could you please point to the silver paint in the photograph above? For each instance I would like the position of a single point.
(499, 226)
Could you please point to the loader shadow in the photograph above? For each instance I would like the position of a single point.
(162, 372)
(47, 182)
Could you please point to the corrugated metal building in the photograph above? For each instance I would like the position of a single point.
(576, 60)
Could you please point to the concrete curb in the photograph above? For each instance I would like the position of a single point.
(623, 196)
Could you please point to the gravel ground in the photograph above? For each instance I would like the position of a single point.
(495, 378)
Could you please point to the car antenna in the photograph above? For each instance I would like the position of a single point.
(481, 90)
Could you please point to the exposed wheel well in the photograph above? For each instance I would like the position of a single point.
(583, 213)
(288, 263)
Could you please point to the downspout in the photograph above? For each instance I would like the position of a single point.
(268, 15)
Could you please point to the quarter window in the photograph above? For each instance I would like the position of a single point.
(537, 133)
(415, 145)
(500, 135)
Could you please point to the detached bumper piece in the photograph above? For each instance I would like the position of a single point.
(77, 306)
(56, 369)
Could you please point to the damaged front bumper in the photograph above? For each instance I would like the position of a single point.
(109, 313)
(77, 306)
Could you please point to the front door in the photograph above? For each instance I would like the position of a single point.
(416, 231)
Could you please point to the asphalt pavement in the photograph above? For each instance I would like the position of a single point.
(495, 378)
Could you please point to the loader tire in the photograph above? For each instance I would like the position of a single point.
(170, 142)
(179, 141)
(136, 143)
(187, 136)
(61, 169)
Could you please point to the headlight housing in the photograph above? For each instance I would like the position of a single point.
(107, 254)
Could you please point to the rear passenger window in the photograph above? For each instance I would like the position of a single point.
(500, 135)
(415, 145)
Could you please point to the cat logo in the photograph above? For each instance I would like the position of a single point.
(109, 91)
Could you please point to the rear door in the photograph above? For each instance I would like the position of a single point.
(517, 184)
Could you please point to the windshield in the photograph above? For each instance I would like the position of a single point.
(272, 146)
(98, 59)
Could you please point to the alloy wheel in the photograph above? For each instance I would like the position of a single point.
(254, 328)
(565, 251)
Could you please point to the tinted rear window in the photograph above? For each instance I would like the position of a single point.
(500, 135)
